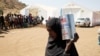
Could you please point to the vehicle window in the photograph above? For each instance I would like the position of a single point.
(80, 18)
(87, 18)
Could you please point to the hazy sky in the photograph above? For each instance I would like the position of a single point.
(91, 4)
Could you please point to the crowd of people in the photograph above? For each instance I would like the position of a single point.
(12, 21)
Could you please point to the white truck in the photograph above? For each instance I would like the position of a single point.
(82, 22)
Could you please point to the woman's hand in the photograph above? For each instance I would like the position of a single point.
(76, 37)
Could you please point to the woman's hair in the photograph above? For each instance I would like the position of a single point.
(55, 25)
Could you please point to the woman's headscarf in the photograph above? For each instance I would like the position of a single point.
(55, 25)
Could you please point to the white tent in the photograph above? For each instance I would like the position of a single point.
(41, 10)
(80, 12)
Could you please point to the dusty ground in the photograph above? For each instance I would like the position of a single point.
(32, 42)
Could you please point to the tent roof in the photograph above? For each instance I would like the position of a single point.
(71, 5)
(47, 8)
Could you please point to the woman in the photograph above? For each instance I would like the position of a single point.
(56, 46)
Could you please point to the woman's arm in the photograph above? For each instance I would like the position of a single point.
(67, 48)
(69, 42)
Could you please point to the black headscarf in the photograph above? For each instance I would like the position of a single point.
(55, 25)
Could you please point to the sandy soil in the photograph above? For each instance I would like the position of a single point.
(32, 42)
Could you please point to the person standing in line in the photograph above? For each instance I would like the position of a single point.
(2, 22)
(99, 37)
(42, 18)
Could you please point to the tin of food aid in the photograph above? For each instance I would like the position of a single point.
(68, 27)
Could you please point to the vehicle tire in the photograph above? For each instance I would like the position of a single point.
(89, 25)
(84, 24)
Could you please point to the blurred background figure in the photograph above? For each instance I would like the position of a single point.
(99, 36)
